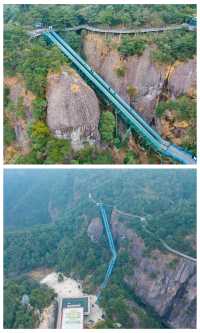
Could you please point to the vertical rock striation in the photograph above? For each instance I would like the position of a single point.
(170, 289)
(73, 109)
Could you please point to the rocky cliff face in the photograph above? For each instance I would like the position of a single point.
(73, 109)
(170, 289)
(19, 94)
(147, 77)
(95, 229)
(138, 71)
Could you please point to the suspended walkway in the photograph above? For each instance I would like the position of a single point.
(122, 31)
(125, 111)
(111, 245)
(106, 224)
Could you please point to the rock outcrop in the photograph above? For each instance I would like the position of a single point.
(95, 229)
(19, 93)
(183, 78)
(73, 109)
(147, 77)
(170, 289)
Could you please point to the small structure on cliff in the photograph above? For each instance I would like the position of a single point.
(73, 109)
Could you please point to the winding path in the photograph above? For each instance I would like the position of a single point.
(123, 31)
(38, 32)
(177, 252)
(165, 245)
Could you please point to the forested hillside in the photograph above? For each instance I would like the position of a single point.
(19, 315)
(58, 197)
(142, 192)
(29, 138)
(70, 15)
(47, 213)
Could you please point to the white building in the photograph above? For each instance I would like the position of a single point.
(72, 318)
(71, 312)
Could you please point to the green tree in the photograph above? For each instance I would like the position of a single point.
(172, 46)
(60, 277)
(132, 46)
(39, 131)
(120, 71)
(16, 315)
(6, 94)
(9, 132)
(91, 155)
(30, 158)
(184, 106)
(39, 106)
(130, 158)
(40, 134)
(74, 40)
(107, 126)
(57, 150)
(106, 16)
(15, 38)
(132, 91)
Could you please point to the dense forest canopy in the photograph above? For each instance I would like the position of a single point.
(31, 195)
(70, 15)
(19, 18)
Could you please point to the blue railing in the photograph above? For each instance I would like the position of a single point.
(111, 245)
(125, 111)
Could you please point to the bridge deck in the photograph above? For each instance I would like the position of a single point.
(38, 32)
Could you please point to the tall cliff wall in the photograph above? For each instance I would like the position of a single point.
(146, 76)
(160, 279)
